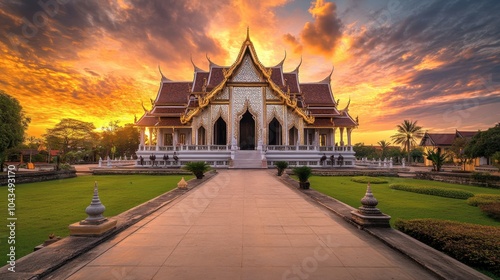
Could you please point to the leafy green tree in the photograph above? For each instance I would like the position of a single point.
(71, 135)
(125, 140)
(457, 149)
(437, 158)
(417, 154)
(13, 123)
(484, 144)
(408, 134)
(363, 151)
(384, 145)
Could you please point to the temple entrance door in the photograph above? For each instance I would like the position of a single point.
(247, 132)
(274, 132)
(220, 132)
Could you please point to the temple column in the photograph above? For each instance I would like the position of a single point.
(157, 139)
(349, 130)
(333, 136)
(174, 140)
(316, 138)
(150, 136)
(341, 136)
(143, 132)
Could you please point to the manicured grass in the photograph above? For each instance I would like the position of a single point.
(49, 207)
(407, 205)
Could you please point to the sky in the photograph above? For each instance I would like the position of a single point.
(435, 62)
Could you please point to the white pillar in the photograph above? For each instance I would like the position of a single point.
(157, 139)
(342, 136)
(333, 135)
(349, 130)
(142, 135)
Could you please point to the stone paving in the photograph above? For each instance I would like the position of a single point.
(245, 224)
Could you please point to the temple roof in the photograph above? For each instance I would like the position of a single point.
(186, 99)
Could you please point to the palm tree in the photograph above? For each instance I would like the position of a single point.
(437, 158)
(408, 133)
(384, 145)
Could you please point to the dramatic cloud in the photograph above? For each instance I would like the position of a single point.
(322, 35)
(435, 61)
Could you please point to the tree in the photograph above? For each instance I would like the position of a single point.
(13, 124)
(384, 145)
(484, 144)
(408, 134)
(71, 135)
(457, 149)
(363, 151)
(125, 140)
(437, 158)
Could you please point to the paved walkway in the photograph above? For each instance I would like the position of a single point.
(244, 224)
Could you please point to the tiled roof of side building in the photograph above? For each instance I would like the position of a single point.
(174, 93)
(317, 93)
(198, 81)
(292, 81)
(439, 139)
(344, 122)
(466, 134)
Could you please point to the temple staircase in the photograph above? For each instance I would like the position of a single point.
(248, 159)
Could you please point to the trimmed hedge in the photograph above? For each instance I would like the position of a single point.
(368, 179)
(474, 245)
(480, 199)
(491, 209)
(444, 192)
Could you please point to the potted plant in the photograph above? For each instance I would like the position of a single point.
(198, 168)
(281, 165)
(303, 172)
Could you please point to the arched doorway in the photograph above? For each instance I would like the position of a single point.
(201, 136)
(220, 132)
(247, 132)
(274, 135)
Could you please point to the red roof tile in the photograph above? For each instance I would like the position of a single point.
(324, 111)
(147, 120)
(162, 111)
(170, 122)
(466, 134)
(198, 81)
(322, 122)
(438, 139)
(216, 76)
(174, 92)
(292, 81)
(317, 93)
(343, 122)
(276, 76)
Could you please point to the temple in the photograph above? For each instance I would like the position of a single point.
(246, 115)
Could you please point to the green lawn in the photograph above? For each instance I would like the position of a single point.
(406, 205)
(49, 207)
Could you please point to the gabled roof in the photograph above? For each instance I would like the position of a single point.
(317, 93)
(219, 76)
(437, 139)
(173, 92)
(466, 134)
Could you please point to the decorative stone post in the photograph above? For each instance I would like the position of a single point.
(182, 184)
(368, 215)
(100, 162)
(95, 224)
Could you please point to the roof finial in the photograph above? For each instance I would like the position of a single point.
(298, 66)
(163, 78)
(248, 33)
(144, 108)
(346, 109)
(196, 68)
(328, 79)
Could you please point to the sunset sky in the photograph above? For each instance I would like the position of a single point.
(437, 62)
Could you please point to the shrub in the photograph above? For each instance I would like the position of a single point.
(444, 192)
(281, 165)
(368, 179)
(474, 245)
(198, 168)
(303, 172)
(481, 199)
(481, 176)
(491, 209)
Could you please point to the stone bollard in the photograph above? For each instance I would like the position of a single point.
(95, 224)
(368, 215)
(182, 184)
